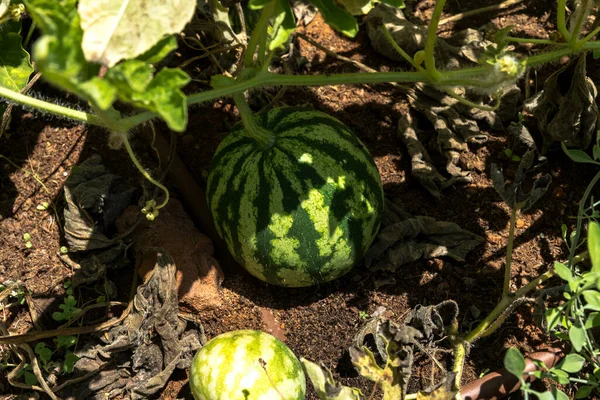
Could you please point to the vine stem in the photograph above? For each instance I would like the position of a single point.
(51, 108)
(264, 137)
(259, 36)
(561, 22)
(509, 250)
(462, 346)
(431, 38)
(460, 77)
(145, 173)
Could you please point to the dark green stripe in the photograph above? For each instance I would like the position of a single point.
(353, 164)
(264, 236)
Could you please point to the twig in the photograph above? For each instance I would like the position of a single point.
(90, 307)
(456, 17)
(31, 337)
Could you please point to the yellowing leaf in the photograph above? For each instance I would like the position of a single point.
(123, 29)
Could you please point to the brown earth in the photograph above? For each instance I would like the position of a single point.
(320, 322)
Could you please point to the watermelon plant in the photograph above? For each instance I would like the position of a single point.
(296, 196)
(294, 193)
(246, 365)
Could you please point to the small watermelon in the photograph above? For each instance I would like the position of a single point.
(303, 211)
(246, 365)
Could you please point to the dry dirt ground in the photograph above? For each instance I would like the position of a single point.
(317, 323)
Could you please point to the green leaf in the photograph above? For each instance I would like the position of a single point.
(577, 336)
(159, 51)
(65, 341)
(584, 392)
(559, 394)
(594, 245)
(221, 81)
(578, 155)
(358, 7)
(99, 91)
(395, 3)
(592, 320)
(43, 352)
(58, 53)
(15, 66)
(257, 4)
(324, 384)
(563, 271)
(572, 363)
(70, 360)
(553, 317)
(514, 362)
(592, 298)
(69, 308)
(548, 395)
(596, 152)
(284, 24)
(30, 378)
(161, 94)
(116, 30)
(560, 376)
(340, 19)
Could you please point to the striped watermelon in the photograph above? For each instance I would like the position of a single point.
(246, 365)
(303, 211)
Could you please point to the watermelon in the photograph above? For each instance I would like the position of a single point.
(246, 365)
(302, 211)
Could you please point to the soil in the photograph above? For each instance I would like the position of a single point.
(318, 323)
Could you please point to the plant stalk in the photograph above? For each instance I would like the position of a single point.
(259, 36)
(265, 138)
(509, 250)
(431, 38)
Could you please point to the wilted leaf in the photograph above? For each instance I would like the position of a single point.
(512, 193)
(444, 390)
(115, 30)
(566, 109)
(15, 66)
(325, 386)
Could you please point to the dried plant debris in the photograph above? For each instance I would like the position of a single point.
(323, 383)
(404, 238)
(566, 109)
(455, 126)
(465, 47)
(94, 200)
(136, 358)
(395, 345)
(515, 194)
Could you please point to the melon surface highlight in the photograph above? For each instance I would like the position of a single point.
(246, 365)
(302, 212)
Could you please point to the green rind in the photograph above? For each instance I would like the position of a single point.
(246, 365)
(302, 212)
